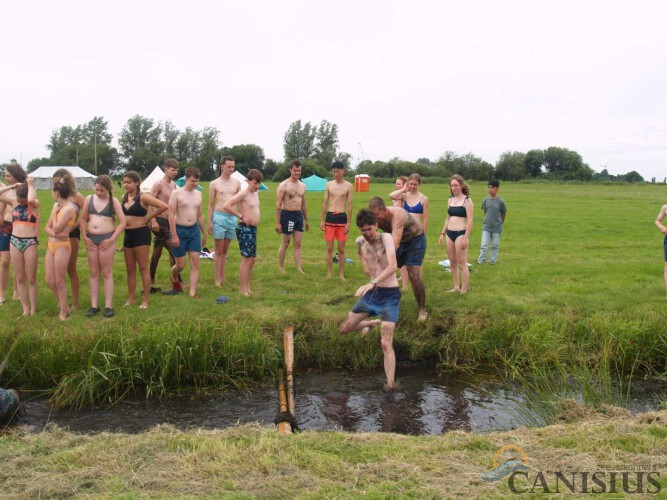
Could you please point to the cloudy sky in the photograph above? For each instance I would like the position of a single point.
(400, 79)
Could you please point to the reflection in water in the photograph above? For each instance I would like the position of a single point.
(425, 404)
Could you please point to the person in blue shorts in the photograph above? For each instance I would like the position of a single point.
(381, 296)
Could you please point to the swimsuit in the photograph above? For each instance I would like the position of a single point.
(162, 233)
(135, 210)
(106, 211)
(415, 209)
(411, 252)
(380, 301)
(23, 215)
(21, 244)
(99, 238)
(137, 237)
(5, 235)
(75, 234)
(224, 226)
(247, 236)
(458, 211)
(453, 235)
(291, 221)
(334, 226)
(189, 240)
(55, 244)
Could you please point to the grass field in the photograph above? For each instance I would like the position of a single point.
(578, 283)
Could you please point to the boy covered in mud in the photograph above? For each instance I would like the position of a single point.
(247, 211)
(381, 296)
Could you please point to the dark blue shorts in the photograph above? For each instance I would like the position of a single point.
(664, 244)
(247, 236)
(382, 302)
(5, 235)
(189, 239)
(291, 221)
(411, 253)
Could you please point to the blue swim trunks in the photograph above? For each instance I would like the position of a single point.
(290, 221)
(5, 235)
(247, 236)
(411, 253)
(382, 302)
(224, 226)
(190, 240)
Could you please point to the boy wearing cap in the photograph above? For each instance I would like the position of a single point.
(335, 222)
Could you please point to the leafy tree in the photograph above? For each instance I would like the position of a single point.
(169, 137)
(327, 143)
(247, 156)
(345, 159)
(299, 141)
(208, 153)
(534, 162)
(141, 145)
(271, 168)
(424, 161)
(563, 164)
(633, 177)
(511, 166)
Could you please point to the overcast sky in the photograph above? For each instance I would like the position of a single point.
(400, 78)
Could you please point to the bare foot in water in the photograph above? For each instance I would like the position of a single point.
(387, 388)
(367, 329)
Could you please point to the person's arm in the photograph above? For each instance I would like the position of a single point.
(232, 202)
(660, 218)
(346, 229)
(304, 211)
(441, 239)
(323, 212)
(470, 211)
(48, 229)
(211, 201)
(154, 207)
(6, 199)
(155, 193)
(171, 209)
(33, 202)
(390, 269)
(362, 255)
(118, 212)
(399, 194)
(83, 219)
(397, 225)
(503, 212)
(60, 228)
(425, 207)
(202, 227)
(280, 195)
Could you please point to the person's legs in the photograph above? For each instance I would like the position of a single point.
(60, 262)
(218, 263)
(462, 264)
(418, 289)
(5, 259)
(495, 245)
(283, 250)
(357, 321)
(298, 237)
(486, 235)
(405, 279)
(451, 253)
(341, 259)
(72, 272)
(131, 273)
(141, 257)
(158, 245)
(194, 272)
(245, 272)
(106, 267)
(176, 269)
(329, 258)
(20, 276)
(94, 276)
(387, 343)
(30, 255)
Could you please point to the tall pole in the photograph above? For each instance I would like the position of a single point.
(95, 150)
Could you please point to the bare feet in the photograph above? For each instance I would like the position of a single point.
(463, 292)
(300, 269)
(367, 329)
(329, 275)
(144, 305)
(422, 316)
(281, 269)
(393, 387)
(342, 277)
(455, 289)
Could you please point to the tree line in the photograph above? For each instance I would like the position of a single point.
(144, 143)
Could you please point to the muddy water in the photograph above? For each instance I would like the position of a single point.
(425, 404)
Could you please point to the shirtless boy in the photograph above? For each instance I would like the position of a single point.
(247, 211)
(336, 221)
(221, 224)
(185, 222)
(162, 190)
(381, 296)
(409, 242)
(291, 214)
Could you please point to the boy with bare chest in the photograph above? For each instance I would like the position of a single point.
(335, 222)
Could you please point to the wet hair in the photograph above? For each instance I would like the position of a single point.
(16, 172)
(255, 175)
(377, 203)
(64, 174)
(464, 187)
(415, 177)
(22, 191)
(338, 164)
(192, 172)
(494, 183)
(62, 187)
(403, 179)
(295, 163)
(225, 159)
(171, 163)
(105, 182)
(134, 177)
(366, 217)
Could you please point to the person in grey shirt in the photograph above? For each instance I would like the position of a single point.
(494, 217)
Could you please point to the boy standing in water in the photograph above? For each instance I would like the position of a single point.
(494, 218)
(186, 222)
(247, 211)
(381, 296)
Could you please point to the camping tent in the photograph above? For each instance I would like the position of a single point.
(147, 183)
(44, 177)
(244, 182)
(315, 183)
(181, 182)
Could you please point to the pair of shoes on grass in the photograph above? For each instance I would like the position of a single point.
(108, 312)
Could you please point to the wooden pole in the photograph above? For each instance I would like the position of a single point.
(288, 336)
(283, 427)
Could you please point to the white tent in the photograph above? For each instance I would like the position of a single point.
(148, 182)
(44, 177)
(244, 182)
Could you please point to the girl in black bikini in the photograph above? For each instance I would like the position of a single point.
(137, 242)
(457, 227)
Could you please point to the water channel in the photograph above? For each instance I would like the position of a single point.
(427, 403)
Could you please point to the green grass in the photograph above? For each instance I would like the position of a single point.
(578, 285)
